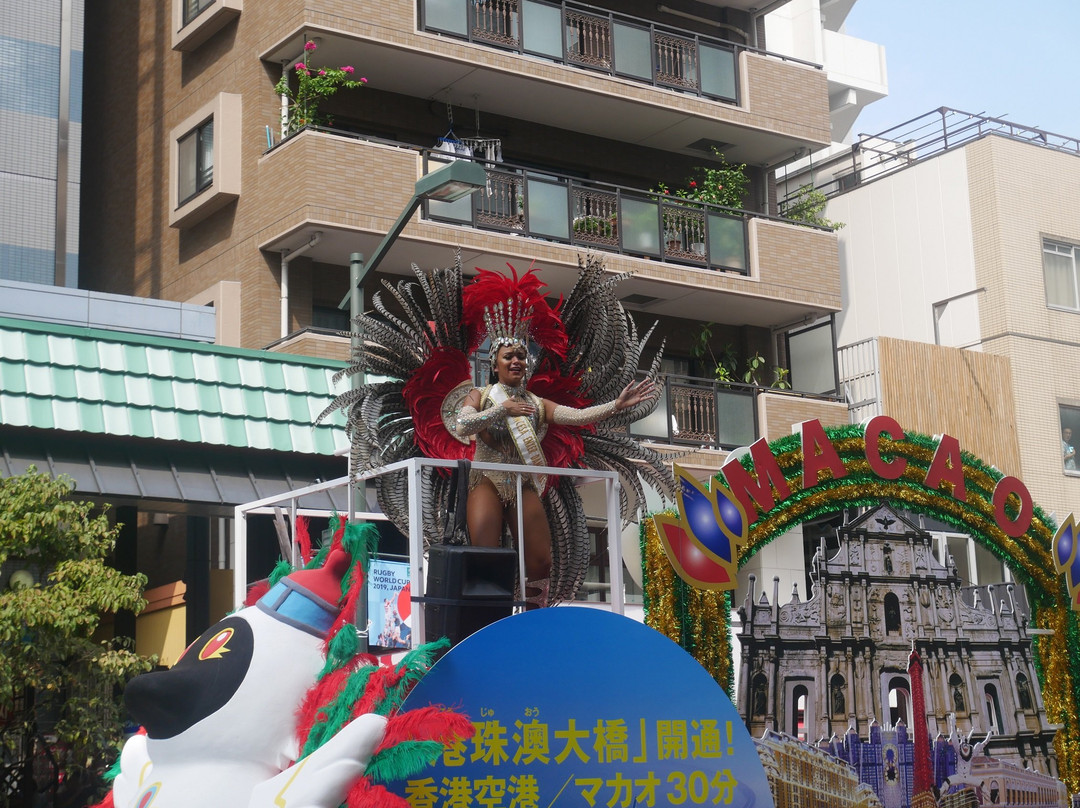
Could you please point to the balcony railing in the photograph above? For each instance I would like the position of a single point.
(597, 215)
(704, 413)
(709, 414)
(593, 39)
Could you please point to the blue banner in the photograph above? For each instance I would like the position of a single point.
(575, 706)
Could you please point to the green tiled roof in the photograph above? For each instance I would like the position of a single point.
(111, 383)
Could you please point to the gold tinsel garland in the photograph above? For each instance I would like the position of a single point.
(698, 619)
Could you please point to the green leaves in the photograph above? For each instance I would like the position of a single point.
(53, 648)
(313, 84)
(808, 205)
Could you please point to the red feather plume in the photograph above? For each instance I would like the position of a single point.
(303, 538)
(430, 723)
(527, 291)
(256, 591)
(424, 393)
(562, 444)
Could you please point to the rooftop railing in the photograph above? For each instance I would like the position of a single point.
(875, 156)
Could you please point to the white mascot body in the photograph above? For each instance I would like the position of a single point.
(221, 724)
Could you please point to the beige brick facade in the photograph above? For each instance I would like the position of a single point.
(1021, 193)
(349, 189)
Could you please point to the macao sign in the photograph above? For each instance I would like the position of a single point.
(703, 542)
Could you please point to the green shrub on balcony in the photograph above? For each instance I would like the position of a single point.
(725, 184)
(313, 86)
(808, 206)
(596, 226)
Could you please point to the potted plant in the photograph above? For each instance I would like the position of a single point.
(605, 227)
(313, 85)
(729, 367)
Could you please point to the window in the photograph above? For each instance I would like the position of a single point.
(812, 357)
(1061, 276)
(204, 161)
(196, 161)
(992, 708)
(329, 318)
(1070, 438)
(195, 21)
(899, 701)
(193, 8)
(800, 703)
(975, 565)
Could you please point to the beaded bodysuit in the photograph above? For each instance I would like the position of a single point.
(496, 445)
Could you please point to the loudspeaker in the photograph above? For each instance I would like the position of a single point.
(467, 588)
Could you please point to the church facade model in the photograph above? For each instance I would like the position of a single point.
(836, 664)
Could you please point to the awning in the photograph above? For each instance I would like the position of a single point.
(214, 478)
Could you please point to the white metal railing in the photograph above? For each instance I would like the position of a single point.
(414, 468)
(860, 378)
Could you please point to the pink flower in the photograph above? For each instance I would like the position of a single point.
(363, 80)
(301, 66)
(347, 69)
(310, 46)
(322, 72)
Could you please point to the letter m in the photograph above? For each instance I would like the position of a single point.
(757, 489)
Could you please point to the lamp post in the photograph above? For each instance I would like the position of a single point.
(447, 184)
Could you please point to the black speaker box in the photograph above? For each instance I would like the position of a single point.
(467, 588)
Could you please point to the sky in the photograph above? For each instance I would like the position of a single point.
(1006, 60)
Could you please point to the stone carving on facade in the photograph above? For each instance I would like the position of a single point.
(846, 648)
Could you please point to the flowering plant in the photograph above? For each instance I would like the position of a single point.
(724, 185)
(312, 86)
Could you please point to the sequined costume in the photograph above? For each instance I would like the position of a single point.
(584, 351)
(496, 445)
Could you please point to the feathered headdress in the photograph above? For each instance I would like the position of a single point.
(511, 311)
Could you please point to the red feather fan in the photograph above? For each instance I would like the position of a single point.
(424, 393)
(562, 445)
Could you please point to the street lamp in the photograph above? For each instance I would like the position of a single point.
(447, 184)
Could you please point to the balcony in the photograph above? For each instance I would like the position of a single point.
(578, 69)
(593, 39)
(725, 415)
(547, 205)
(687, 262)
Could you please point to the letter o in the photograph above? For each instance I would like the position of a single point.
(1004, 488)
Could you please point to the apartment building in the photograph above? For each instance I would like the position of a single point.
(577, 112)
(961, 307)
